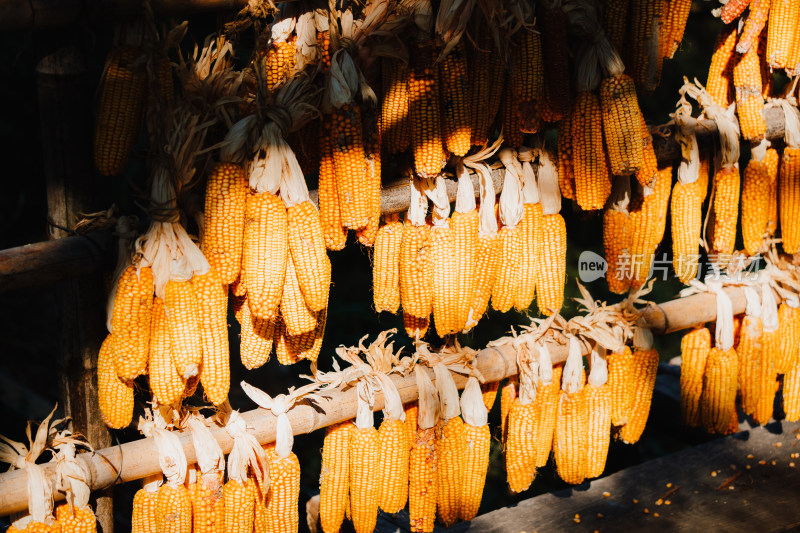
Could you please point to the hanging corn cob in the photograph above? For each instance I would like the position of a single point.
(648, 214)
(422, 466)
(454, 97)
(592, 181)
(394, 446)
(646, 18)
(572, 422)
(526, 71)
(695, 346)
(676, 12)
(115, 396)
(241, 493)
(789, 335)
(598, 405)
(566, 177)
(781, 33)
(615, 22)
(256, 335)
(478, 444)
(620, 380)
(770, 346)
(753, 26)
(464, 222)
(747, 80)
(509, 250)
(556, 58)
(444, 262)
(223, 220)
(546, 407)
(334, 477)
(720, 72)
(329, 215)
(726, 211)
(522, 431)
(143, 519)
(386, 265)
(551, 240)
(212, 296)
(621, 121)
(529, 225)
(617, 234)
(72, 478)
(372, 165)
(508, 396)
(206, 491)
(131, 309)
(645, 365)
(394, 105)
(416, 294)
(485, 80)
(789, 185)
(749, 351)
(755, 199)
(281, 54)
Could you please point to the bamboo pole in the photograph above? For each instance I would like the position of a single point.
(138, 459)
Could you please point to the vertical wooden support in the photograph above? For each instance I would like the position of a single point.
(65, 103)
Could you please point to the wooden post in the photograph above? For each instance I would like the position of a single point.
(65, 103)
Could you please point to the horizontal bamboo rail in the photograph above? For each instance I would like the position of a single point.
(40, 263)
(138, 459)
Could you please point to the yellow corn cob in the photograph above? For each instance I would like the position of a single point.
(143, 519)
(509, 115)
(755, 205)
(789, 199)
(115, 395)
(621, 124)
(295, 312)
(520, 446)
(393, 466)
(527, 79)
(75, 520)
(615, 19)
(507, 397)
(644, 35)
(789, 335)
(791, 393)
(416, 289)
(284, 492)
(450, 454)
(304, 346)
(281, 59)
(719, 389)
(423, 111)
(223, 220)
(726, 210)
(509, 260)
(754, 26)
(526, 287)
(394, 105)
(329, 216)
(647, 172)
(720, 73)
(749, 351)
(645, 364)
(476, 463)
(686, 212)
(364, 450)
(486, 268)
(119, 111)
(412, 413)
(215, 373)
(173, 509)
(617, 233)
(620, 381)
(768, 383)
(334, 477)
(265, 251)
(598, 405)
(551, 267)
(260, 514)
(592, 181)
(566, 177)
(675, 15)
(166, 383)
(239, 501)
(282, 352)
(572, 437)
(348, 165)
(206, 497)
(422, 467)
(733, 9)
(694, 352)
(481, 84)
(649, 220)
(257, 335)
(465, 236)
(749, 101)
(454, 84)
(545, 415)
(371, 184)
(130, 322)
(307, 249)
(445, 281)
(415, 326)
(489, 392)
(771, 161)
(183, 326)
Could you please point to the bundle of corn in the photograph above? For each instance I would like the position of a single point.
(617, 235)
(205, 490)
(416, 294)
(423, 464)
(509, 250)
(284, 469)
(40, 493)
(572, 420)
(789, 186)
(530, 227)
(465, 225)
(248, 477)
(72, 479)
(478, 444)
(550, 270)
(444, 263)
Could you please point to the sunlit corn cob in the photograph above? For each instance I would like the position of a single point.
(545, 416)
(749, 350)
(423, 110)
(450, 454)
(415, 326)
(143, 519)
(239, 501)
(371, 184)
(791, 393)
(183, 325)
(166, 384)
(348, 165)
(486, 268)
(306, 345)
(695, 345)
(675, 14)
(566, 177)
(412, 413)
(509, 259)
(265, 251)
(393, 466)
(364, 450)
(598, 406)
(526, 287)
(771, 160)
(732, 9)
(789, 335)
(335, 234)
(256, 335)
(551, 267)
(75, 520)
(749, 101)
(615, 22)
(489, 391)
(520, 446)
(223, 220)
(755, 205)
(649, 219)
(386, 267)
(556, 60)
(476, 463)
(307, 249)
(645, 364)
(119, 110)
(686, 212)
(753, 26)
(416, 289)
(206, 497)
(115, 395)
(644, 37)
(621, 124)
(334, 477)
(508, 395)
(789, 199)
(720, 73)
(781, 32)
(394, 111)
(284, 492)
(571, 437)
(422, 468)
(726, 210)
(620, 381)
(296, 314)
(445, 281)
(592, 181)
(173, 509)
(281, 59)
(130, 322)
(719, 389)
(212, 296)
(454, 87)
(768, 382)
(465, 236)
(617, 233)
(527, 78)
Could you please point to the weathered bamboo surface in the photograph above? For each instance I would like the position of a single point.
(138, 459)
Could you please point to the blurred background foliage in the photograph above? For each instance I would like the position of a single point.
(29, 319)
